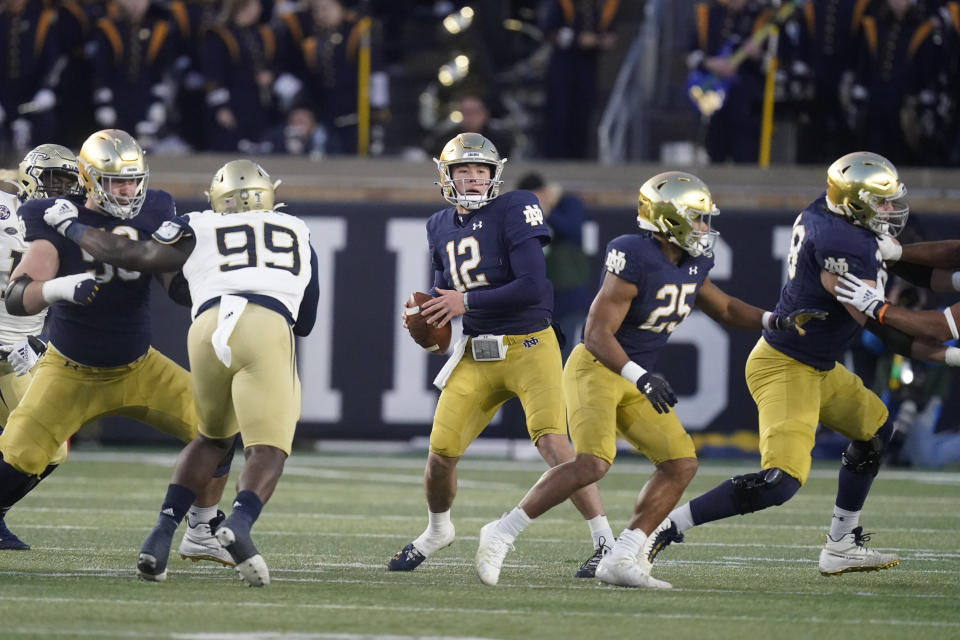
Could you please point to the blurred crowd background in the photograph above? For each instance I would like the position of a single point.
(683, 82)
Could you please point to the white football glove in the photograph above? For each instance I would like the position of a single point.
(858, 294)
(23, 356)
(60, 215)
(890, 249)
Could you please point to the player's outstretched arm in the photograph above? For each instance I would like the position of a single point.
(734, 312)
(939, 253)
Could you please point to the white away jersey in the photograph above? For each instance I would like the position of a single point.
(12, 248)
(258, 252)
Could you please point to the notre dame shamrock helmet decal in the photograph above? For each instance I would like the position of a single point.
(469, 148)
(865, 188)
(679, 206)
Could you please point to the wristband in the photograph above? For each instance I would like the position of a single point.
(952, 357)
(955, 280)
(74, 230)
(632, 372)
(767, 321)
(951, 323)
(882, 311)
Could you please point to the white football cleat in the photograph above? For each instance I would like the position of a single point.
(848, 554)
(628, 572)
(199, 543)
(491, 552)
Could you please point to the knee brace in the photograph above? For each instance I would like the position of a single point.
(864, 456)
(756, 491)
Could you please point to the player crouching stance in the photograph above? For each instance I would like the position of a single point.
(652, 281)
(253, 284)
(797, 383)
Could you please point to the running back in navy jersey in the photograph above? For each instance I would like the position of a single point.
(666, 293)
(114, 329)
(823, 241)
(477, 246)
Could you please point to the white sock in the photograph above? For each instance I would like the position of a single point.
(628, 545)
(201, 515)
(682, 517)
(438, 524)
(843, 522)
(511, 524)
(600, 531)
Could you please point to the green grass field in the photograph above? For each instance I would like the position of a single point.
(336, 520)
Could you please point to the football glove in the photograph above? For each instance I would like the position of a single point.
(890, 249)
(23, 354)
(858, 294)
(658, 391)
(795, 320)
(60, 215)
(79, 288)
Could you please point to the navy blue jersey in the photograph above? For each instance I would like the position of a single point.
(115, 329)
(478, 245)
(665, 293)
(823, 241)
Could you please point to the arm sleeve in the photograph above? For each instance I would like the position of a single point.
(307, 316)
(530, 271)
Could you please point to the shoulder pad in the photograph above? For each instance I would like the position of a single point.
(170, 232)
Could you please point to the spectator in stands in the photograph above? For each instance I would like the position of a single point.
(191, 18)
(237, 58)
(471, 114)
(332, 57)
(301, 135)
(29, 54)
(568, 267)
(733, 130)
(131, 51)
(579, 31)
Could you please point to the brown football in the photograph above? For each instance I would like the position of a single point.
(424, 334)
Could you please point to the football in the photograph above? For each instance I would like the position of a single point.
(431, 338)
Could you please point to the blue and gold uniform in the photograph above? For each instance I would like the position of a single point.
(798, 381)
(599, 401)
(470, 252)
(99, 361)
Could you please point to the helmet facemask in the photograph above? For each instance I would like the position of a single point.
(865, 188)
(469, 148)
(679, 206)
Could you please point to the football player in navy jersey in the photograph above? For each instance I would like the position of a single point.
(99, 360)
(798, 382)
(489, 267)
(651, 282)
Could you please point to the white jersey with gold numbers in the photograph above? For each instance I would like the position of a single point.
(12, 249)
(259, 252)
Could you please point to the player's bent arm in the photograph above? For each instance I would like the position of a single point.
(939, 326)
(145, 255)
(726, 309)
(607, 312)
(24, 296)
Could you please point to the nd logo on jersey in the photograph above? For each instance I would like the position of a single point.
(836, 266)
(533, 214)
(616, 261)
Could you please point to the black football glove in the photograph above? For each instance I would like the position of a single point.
(658, 391)
(796, 320)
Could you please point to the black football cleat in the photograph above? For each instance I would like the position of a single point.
(665, 534)
(154, 553)
(9, 541)
(589, 568)
(407, 559)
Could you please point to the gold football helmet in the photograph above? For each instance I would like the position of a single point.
(679, 206)
(469, 148)
(49, 170)
(865, 188)
(241, 185)
(113, 170)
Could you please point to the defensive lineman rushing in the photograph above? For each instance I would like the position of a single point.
(253, 282)
(797, 382)
(651, 282)
(99, 360)
(489, 267)
(47, 171)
